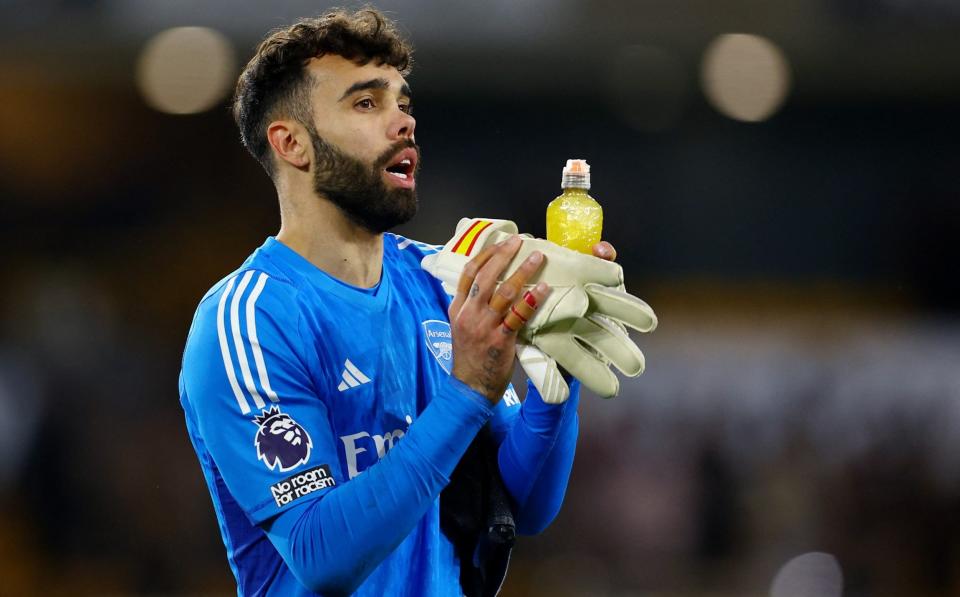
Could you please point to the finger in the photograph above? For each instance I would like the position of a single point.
(543, 372)
(520, 312)
(621, 306)
(473, 267)
(486, 278)
(524, 309)
(604, 250)
(467, 277)
(502, 299)
(610, 341)
(579, 361)
(509, 290)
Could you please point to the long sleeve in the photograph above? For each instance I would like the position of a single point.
(333, 543)
(536, 457)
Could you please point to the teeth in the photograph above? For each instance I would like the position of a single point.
(406, 162)
(399, 175)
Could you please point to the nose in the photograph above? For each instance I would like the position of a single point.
(402, 126)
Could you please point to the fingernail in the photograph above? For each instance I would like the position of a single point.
(541, 287)
(535, 257)
(514, 240)
(604, 251)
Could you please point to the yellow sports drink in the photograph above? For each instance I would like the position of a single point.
(575, 219)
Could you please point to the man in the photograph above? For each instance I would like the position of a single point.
(317, 381)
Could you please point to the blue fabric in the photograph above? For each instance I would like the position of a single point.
(379, 508)
(326, 424)
(536, 457)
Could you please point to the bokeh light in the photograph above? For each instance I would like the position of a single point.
(186, 70)
(745, 77)
(814, 574)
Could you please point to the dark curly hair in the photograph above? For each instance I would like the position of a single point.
(275, 83)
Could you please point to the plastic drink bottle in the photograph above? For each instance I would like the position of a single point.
(575, 219)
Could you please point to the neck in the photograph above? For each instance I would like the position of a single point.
(320, 233)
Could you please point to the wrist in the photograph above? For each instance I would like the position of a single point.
(473, 394)
(490, 392)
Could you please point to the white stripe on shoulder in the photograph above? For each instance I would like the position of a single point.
(238, 340)
(254, 342)
(406, 242)
(225, 349)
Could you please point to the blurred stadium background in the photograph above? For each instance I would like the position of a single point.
(780, 178)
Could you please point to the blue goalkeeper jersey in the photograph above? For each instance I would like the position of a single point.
(294, 383)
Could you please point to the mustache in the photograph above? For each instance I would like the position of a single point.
(391, 151)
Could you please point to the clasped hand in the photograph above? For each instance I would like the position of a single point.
(485, 317)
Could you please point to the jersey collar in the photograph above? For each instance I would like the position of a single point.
(371, 298)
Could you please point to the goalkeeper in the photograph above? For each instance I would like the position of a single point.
(332, 390)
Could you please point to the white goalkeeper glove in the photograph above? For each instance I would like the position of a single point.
(580, 325)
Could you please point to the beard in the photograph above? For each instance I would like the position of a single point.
(358, 189)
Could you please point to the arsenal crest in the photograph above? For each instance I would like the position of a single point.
(440, 342)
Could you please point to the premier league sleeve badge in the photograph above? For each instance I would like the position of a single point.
(281, 441)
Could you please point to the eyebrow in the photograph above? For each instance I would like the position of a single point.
(378, 83)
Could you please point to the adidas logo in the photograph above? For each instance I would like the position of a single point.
(352, 377)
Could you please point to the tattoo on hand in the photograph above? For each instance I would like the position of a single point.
(475, 289)
(490, 382)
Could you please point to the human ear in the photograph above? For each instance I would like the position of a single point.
(288, 140)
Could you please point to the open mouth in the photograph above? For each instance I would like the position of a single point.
(403, 165)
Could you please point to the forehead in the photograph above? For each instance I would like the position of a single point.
(335, 74)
